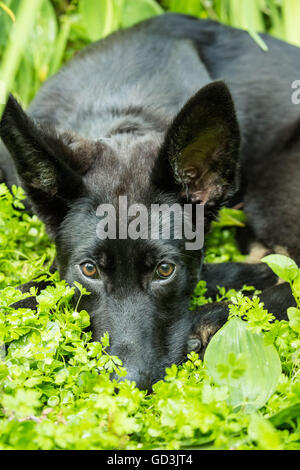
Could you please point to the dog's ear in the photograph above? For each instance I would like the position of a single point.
(199, 157)
(48, 180)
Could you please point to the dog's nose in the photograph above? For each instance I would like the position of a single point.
(140, 377)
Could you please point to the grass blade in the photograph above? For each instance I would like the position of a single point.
(291, 16)
(19, 34)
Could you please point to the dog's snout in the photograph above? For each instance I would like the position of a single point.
(133, 362)
(122, 349)
(141, 378)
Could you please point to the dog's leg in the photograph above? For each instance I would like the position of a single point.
(211, 317)
(236, 275)
(30, 302)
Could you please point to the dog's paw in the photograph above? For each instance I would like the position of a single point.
(200, 338)
(208, 320)
(194, 344)
(29, 302)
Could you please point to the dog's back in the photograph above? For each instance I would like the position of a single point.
(136, 80)
(156, 66)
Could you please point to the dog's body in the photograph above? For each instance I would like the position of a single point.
(115, 122)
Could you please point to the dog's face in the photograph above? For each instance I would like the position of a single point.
(140, 292)
(140, 285)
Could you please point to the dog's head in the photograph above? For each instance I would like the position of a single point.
(140, 283)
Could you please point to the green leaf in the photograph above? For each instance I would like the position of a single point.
(262, 431)
(231, 218)
(296, 285)
(286, 415)
(294, 318)
(240, 360)
(282, 266)
(23, 403)
(135, 11)
(15, 48)
(53, 401)
(105, 340)
(99, 17)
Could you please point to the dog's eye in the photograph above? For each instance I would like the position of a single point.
(165, 270)
(89, 270)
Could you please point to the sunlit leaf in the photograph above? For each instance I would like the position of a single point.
(283, 267)
(240, 360)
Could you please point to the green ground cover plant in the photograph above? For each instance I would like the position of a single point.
(55, 390)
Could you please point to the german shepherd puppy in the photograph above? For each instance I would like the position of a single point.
(172, 110)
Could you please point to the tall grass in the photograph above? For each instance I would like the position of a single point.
(37, 36)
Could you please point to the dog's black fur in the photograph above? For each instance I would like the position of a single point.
(146, 113)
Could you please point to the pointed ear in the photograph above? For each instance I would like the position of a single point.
(48, 180)
(199, 157)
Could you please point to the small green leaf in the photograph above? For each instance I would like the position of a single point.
(294, 318)
(296, 285)
(99, 18)
(105, 340)
(53, 401)
(286, 415)
(133, 12)
(262, 431)
(231, 218)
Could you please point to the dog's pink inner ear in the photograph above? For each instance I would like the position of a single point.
(199, 167)
(203, 187)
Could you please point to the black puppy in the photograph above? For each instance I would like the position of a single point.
(144, 114)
